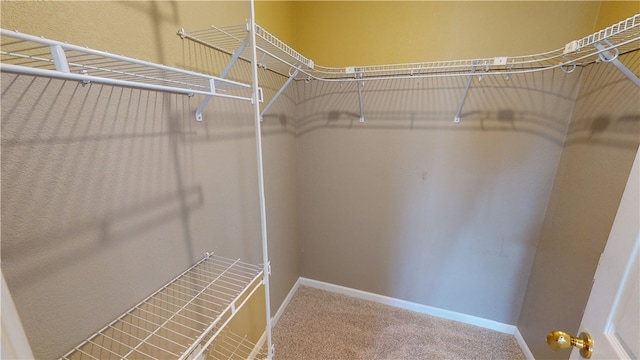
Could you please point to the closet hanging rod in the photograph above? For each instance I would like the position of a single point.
(38, 56)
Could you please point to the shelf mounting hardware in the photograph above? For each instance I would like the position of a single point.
(223, 74)
(606, 56)
(59, 59)
(360, 85)
(205, 100)
(466, 91)
(234, 57)
(280, 91)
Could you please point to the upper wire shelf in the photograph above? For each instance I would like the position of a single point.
(180, 320)
(273, 54)
(279, 57)
(26, 54)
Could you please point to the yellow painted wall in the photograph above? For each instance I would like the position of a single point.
(614, 11)
(139, 29)
(277, 17)
(332, 33)
(343, 33)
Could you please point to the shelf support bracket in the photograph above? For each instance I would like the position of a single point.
(466, 91)
(234, 57)
(273, 99)
(606, 56)
(59, 58)
(360, 84)
(204, 102)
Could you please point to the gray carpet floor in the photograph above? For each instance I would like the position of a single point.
(321, 325)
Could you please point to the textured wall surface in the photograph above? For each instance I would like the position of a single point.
(108, 193)
(411, 205)
(601, 144)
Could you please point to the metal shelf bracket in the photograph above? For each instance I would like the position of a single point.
(360, 85)
(280, 91)
(206, 100)
(606, 56)
(466, 91)
(235, 57)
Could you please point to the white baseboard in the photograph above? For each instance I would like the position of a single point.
(285, 303)
(424, 309)
(523, 345)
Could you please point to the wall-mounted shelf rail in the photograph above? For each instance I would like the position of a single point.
(31, 55)
(276, 55)
(180, 320)
(273, 54)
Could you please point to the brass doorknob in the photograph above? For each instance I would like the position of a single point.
(561, 340)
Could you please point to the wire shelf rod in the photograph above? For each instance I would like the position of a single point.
(54, 59)
(157, 322)
(139, 74)
(179, 315)
(108, 350)
(499, 66)
(87, 354)
(170, 318)
(99, 80)
(223, 298)
(152, 323)
(232, 287)
(607, 32)
(139, 304)
(174, 300)
(86, 50)
(232, 307)
(239, 269)
(233, 346)
(312, 76)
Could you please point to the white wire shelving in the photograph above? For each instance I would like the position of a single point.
(182, 319)
(231, 346)
(281, 58)
(27, 54)
(603, 46)
(274, 54)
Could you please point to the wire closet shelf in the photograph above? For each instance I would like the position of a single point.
(27, 54)
(185, 319)
(275, 55)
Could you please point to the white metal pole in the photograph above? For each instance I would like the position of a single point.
(263, 210)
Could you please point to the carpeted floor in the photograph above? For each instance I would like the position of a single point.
(321, 325)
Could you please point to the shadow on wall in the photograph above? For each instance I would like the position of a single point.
(410, 204)
(101, 196)
(599, 150)
(76, 167)
(522, 103)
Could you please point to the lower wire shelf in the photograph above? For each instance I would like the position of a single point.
(182, 319)
(231, 346)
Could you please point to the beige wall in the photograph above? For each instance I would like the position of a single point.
(411, 205)
(108, 192)
(601, 143)
(599, 149)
